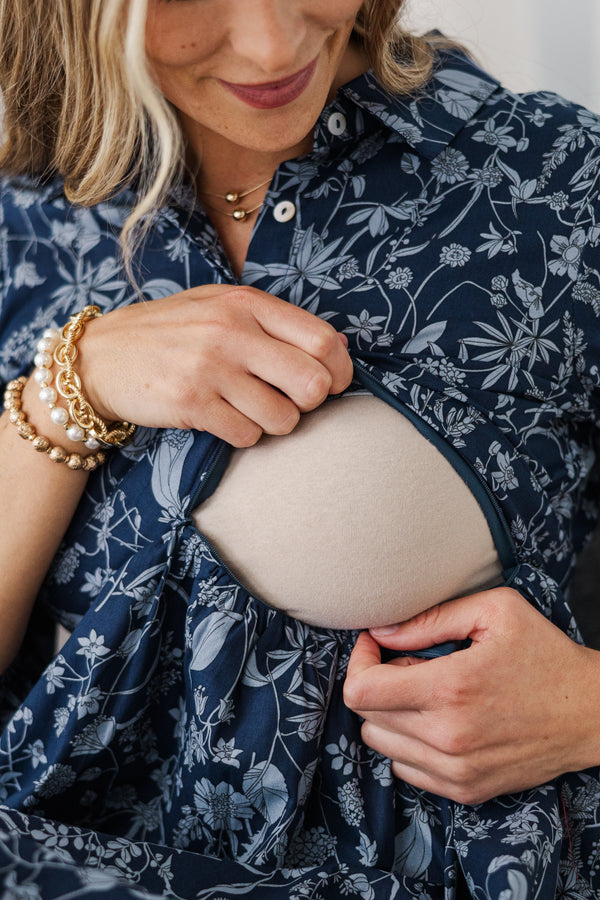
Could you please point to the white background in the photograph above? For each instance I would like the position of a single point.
(528, 44)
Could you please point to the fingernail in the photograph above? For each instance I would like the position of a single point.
(384, 630)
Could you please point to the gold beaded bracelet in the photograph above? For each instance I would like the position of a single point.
(13, 404)
(68, 385)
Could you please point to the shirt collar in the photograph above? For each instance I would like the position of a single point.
(430, 120)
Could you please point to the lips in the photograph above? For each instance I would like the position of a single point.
(273, 94)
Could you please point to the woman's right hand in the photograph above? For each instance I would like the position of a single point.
(227, 359)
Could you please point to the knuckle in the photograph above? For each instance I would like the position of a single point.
(353, 694)
(287, 422)
(185, 396)
(324, 341)
(455, 743)
(464, 777)
(243, 294)
(246, 435)
(317, 388)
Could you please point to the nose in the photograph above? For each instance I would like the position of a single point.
(268, 33)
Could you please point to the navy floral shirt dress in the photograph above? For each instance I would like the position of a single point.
(191, 741)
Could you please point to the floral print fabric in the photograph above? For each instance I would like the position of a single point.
(189, 740)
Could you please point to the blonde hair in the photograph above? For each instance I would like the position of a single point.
(80, 102)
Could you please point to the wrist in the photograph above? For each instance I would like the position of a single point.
(89, 355)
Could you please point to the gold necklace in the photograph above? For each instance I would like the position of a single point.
(233, 197)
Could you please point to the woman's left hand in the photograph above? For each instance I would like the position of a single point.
(517, 708)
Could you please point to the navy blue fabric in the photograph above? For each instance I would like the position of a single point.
(190, 740)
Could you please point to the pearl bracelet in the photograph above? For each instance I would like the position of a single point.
(13, 404)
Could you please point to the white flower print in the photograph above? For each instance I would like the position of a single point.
(450, 166)
(569, 250)
(56, 779)
(399, 278)
(455, 255)
(225, 752)
(92, 646)
(220, 806)
(364, 325)
(351, 802)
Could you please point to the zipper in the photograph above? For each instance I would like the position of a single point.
(473, 479)
(213, 474)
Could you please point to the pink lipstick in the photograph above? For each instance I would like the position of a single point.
(272, 94)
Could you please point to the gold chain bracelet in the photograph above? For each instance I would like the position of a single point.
(68, 385)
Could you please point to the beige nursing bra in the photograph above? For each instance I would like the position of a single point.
(351, 521)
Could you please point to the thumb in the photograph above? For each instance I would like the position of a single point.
(454, 620)
(365, 655)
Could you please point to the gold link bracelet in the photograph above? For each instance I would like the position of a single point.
(68, 384)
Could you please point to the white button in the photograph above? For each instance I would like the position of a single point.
(284, 211)
(336, 123)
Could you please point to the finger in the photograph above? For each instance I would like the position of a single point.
(305, 380)
(371, 685)
(261, 403)
(309, 333)
(226, 422)
(422, 780)
(403, 749)
(365, 655)
(427, 768)
(458, 619)
(400, 687)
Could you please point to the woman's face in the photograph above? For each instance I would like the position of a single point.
(255, 72)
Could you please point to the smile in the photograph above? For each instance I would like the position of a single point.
(273, 94)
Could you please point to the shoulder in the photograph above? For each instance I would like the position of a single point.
(537, 134)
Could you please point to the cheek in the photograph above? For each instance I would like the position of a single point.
(179, 36)
(340, 11)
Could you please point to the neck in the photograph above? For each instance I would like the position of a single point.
(224, 166)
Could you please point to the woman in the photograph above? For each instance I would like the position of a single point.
(436, 237)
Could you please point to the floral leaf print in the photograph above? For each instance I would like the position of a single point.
(27, 274)
(312, 260)
(468, 83)
(210, 636)
(168, 464)
(426, 339)
(266, 789)
(364, 325)
(413, 846)
(495, 136)
(220, 806)
(92, 647)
